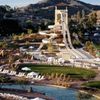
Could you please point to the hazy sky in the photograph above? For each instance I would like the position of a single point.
(19, 3)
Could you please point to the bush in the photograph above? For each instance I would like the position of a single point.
(93, 84)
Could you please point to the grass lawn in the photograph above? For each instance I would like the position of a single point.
(73, 72)
(97, 46)
(94, 84)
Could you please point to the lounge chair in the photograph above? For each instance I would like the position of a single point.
(35, 78)
(39, 77)
(20, 74)
(42, 78)
(5, 71)
(12, 73)
(0, 69)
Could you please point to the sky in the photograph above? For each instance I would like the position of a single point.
(19, 3)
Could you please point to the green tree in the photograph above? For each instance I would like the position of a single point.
(91, 21)
(89, 46)
(52, 75)
(83, 14)
(50, 47)
(29, 31)
(78, 16)
(3, 44)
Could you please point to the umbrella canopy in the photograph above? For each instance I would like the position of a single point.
(37, 98)
(31, 47)
(26, 69)
(42, 33)
(32, 73)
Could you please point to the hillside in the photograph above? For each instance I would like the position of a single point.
(45, 9)
(40, 14)
(70, 3)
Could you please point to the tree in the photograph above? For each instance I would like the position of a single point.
(91, 21)
(29, 31)
(50, 47)
(64, 77)
(3, 44)
(57, 75)
(83, 14)
(68, 78)
(89, 46)
(52, 75)
(81, 23)
(2, 53)
(61, 75)
(15, 37)
(11, 60)
(79, 16)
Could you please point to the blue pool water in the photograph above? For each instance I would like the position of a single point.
(54, 92)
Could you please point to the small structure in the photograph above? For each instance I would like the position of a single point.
(26, 69)
(31, 47)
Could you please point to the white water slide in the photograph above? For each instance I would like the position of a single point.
(78, 53)
(46, 40)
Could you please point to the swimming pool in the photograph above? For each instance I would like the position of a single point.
(54, 92)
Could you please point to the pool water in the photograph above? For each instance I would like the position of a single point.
(54, 92)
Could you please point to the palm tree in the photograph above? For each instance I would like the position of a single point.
(52, 75)
(61, 75)
(2, 53)
(64, 77)
(11, 60)
(50, 47)
(89, 46)
(2, 80)
(57, 75)
(29, 31)
(68, 78)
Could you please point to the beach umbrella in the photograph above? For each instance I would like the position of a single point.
(37, 98)
(31, 47)
(42, 33)
(32, 74)
(26, 69)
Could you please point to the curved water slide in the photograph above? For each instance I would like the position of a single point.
(86, 53)
(45, 41)
(80, 54)
(42, 43)
(40, 47)
(65, 31)
(68, 43)
(77, 38)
